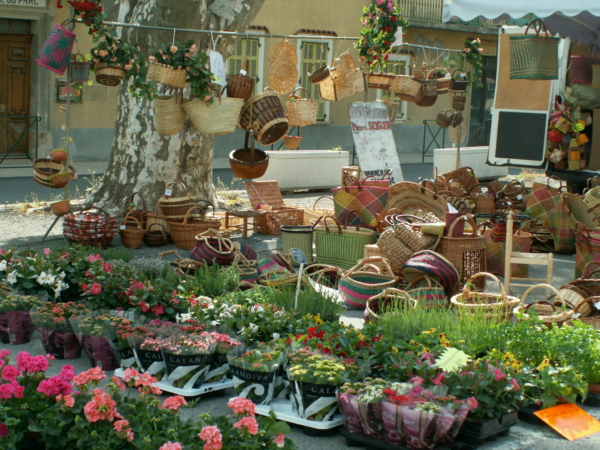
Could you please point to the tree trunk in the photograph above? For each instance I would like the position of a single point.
(143, 160)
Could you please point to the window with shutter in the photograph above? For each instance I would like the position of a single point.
(396, 65)
(246, 48)
(311, 54)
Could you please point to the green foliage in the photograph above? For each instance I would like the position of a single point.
(471, 54)
(212, 281)
(310, 301)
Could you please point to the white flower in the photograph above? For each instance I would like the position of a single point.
(3, 266)
(12, 277)
(275, 336)
(41, 278)
(50, 279)
(184, 317)
(259, 308)
(253, 327)
(242, 330)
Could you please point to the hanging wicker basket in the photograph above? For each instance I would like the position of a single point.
(430, 84)
(319, 74)
(217, 118)
(55, 53)
(60, 208)
(80, 68)
(50, 173)
(497, 307)
(301, 111)
(169, 114)
(458, 86)
(381, 80)
(267, 110)
(167, 75)
(249, 163)
(109, 75)
(405, 86)
(292, 142)
(458, 102)
(241, 85)
(443, 80)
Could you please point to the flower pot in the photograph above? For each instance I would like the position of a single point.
(60, 344)
(219, 368)
(314, 401)
(186, 371)
(100, 352)
(60, 208)
(349, 407)
(58, 155)
(4, 339)
(477, 431)
(108, 75)
(19, 327)
(254, 385)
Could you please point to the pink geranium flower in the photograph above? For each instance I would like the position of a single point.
(242, 406)
(279, 440)
(248, 424)
(96, 288)
(212, 437)
(173, 402)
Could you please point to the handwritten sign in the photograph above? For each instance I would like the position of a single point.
(29, 3)
(570, 421)
(452, 359)
(374, 141)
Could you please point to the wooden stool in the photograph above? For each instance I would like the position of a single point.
(244, 215)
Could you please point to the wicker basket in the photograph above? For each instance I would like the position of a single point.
(432, 295)
(167, 75)
(593, 320)
(546, 311)
(311, 215)
(176, 207)
(381, 80)
(484, 201)
(390, 299)
(429, 83)
(405, 86)
(467, 252)
(491, 306)
(443, 80)
(157, 218)
(108, 75)
(217, 118)
(425, 102)
(140, 216)
(184, 232)
(156, 235)
(79, 68)
(319, 74)
(248, 163)
(301, 111)
(534, 57)
(131, 236)
(297, 236)
(283, 74)
(292, 142)
(458, 86)
(184, 266)
(49, 173)
(169, 115)
(364, 281)
(60, 208)
(240, 85)
(267, 110)
(458, 102)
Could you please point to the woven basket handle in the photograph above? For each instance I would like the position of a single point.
(225, 245)
(456, 70)
(467, 290)
(433, 194)
(193, 208)
(423, 277)
(169, 252)
(401, 217)
(302, 89)
(348, 219)
(162, 229)
(541, 302)
(539, 26)
(179, 183)
(489, 188)
(588, 301)
(514, 184)
(130, 216)
(589, 270)
(309, 67)
(545, 286)
(139, 194)
(593, 207)
(424, 181)
(554, 177)
(335, 221)
(274, 221)
(387, 175)
(353, 180)
(322, 197)
(369, 261)
(81, 57)
(91, 208)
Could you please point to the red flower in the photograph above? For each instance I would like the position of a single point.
(3, 427)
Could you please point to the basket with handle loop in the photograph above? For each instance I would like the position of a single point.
(390, 299)
(365, 280)
(458, 86)
(184, 232)
(432, 295)
(484, 201)
(169, 115)
(496, 307)
(166, 75)
(175, 207)
(548, 312)
(131, 236)
(266, 110)
(213, 248)
(301, 111)
(594, 320)
(240, 85)
(156, 235)
(429, 83)
(140, 215)
(80, 68)
(297, 236)
(217, 118)
(533, 57)
(55, 53)
(320, 73)
(405, 86)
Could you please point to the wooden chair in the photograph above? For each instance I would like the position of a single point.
(538, 259)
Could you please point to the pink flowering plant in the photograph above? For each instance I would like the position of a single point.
(56, 316)
(188, 357)
(105, 285)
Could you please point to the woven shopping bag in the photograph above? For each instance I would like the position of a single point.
(495, 251)
(534, 57)
(543, 199)
(587, 247)
(569, 211)
(365, 201)
(365, 280)
(340, 246)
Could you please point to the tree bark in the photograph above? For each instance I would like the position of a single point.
(141, 159)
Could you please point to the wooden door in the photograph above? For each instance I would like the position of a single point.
(15, 88)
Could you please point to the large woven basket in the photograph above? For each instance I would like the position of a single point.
(248, 163)
(176, 207)
(241, 85)
(548, 313)
(167, 75)
(341, 246)
(534, 57)
(184, 232)
(497, 307)
(301, 111)
(405, 86)
(443, 80)
(391, 300)
(131, 236)
(364, 281)
(49, 173)
(581, 66)
(169, 115)
(108, 75)
(430, 84)
(484, 201)
(267, 110)
(381, 80)
(458, 86)
(217, 118)
(319, 74)
(466, 252)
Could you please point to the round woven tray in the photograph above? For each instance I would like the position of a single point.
(283, 75)
(109, 76)
(282, 50)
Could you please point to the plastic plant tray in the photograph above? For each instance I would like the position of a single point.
(206, 387)
(284, 410)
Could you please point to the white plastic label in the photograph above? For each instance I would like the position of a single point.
(123, 227)
(398, 36)
(168, 192)
(597, 305)
(243, 72)
(576, 316)
(519, 197)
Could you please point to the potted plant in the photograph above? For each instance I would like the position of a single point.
(169, 64)
(219, 367)
(254, 372)
(90, 329)
(55, 331)
(33, 274)
(187, 358)
(314, 381)
(17, 326)
(111, 59)
(146, 344)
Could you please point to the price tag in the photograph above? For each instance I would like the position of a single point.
(123, 227)
(519, 197)
(576, 316)
(597, 305)
(243, 72)
(168, 192)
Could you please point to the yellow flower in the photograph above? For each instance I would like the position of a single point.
(545, 363)
(442, 336)
(425, 350)
(414, 343)
(394, 350)
(431, 331)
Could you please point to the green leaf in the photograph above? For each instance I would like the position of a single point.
(452, 359)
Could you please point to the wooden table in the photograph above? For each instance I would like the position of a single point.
(244, 215)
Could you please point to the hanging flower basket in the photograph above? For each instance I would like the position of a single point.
(109, 75)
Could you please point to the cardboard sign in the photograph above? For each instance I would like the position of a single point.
(374, 141)
(569, 420)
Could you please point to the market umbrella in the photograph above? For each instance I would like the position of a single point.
(583, 27)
